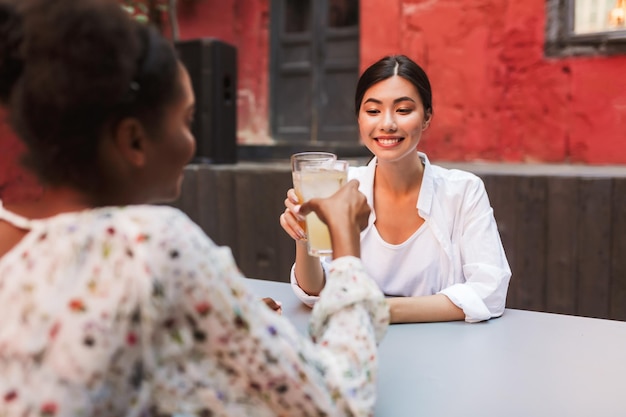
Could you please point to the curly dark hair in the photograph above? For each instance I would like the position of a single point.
(69, 72)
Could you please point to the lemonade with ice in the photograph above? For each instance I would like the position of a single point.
(319, 182)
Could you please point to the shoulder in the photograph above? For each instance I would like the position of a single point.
(456, 180)
(458, 188)
(146, 218)
(161, 225)
(170, 248)
(150, 216)
(150, 228)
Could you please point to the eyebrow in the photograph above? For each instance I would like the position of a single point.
(396, 101)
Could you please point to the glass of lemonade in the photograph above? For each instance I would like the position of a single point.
(304, 158)
(317, 174)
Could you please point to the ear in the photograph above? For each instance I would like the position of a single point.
(427, 118)
(131, 140)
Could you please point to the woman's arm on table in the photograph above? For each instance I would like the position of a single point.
(427, 308)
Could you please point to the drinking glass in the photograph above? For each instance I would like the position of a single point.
(298, 159)
(317, 176)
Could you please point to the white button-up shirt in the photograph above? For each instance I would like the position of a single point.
(456, 252)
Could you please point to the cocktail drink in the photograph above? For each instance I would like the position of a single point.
(297, 160)
(318, 178)
(307, 158)
(322, 183)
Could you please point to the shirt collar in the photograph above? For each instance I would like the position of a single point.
(427, 190)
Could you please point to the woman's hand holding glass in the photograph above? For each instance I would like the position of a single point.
(291, 220)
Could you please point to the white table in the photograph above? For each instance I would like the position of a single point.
(524, 364)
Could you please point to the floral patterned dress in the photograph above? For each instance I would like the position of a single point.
(133, 311)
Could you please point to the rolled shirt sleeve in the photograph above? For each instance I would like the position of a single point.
(307, 299)
(482, 260)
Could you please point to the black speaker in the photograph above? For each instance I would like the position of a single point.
(212, 66)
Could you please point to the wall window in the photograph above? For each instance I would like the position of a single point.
(596, 16)
(585, 27)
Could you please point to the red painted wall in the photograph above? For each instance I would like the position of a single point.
(496, 96)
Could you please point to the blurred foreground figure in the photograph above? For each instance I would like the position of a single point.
(114, 307)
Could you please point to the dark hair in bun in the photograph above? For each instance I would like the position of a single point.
(70, 71)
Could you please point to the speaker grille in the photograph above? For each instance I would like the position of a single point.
(212, 66)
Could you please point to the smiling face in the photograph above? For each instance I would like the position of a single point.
(392, 118)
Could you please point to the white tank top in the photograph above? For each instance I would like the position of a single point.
(411, 268)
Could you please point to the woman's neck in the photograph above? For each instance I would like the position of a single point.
(53, 201)
(400, 177)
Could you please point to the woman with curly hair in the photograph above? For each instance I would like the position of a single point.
(113, 306)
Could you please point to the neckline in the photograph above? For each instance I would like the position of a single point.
(416, 233)
(424, 199)
(15, 219)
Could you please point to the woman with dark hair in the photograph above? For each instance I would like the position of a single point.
(431, 243)
(115, 307)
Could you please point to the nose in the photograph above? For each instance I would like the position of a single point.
(388, 123)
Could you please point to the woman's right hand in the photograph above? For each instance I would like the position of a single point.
(291, 220)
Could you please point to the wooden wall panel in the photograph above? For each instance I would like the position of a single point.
(188, 199)
(240, 208)
(228, 231)
(562, 245)
(249, 209)
(594, 240)
(617, 308)
(530, 242)
(208, 218)
(502, 192)
(264, 249)
(279, 183)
